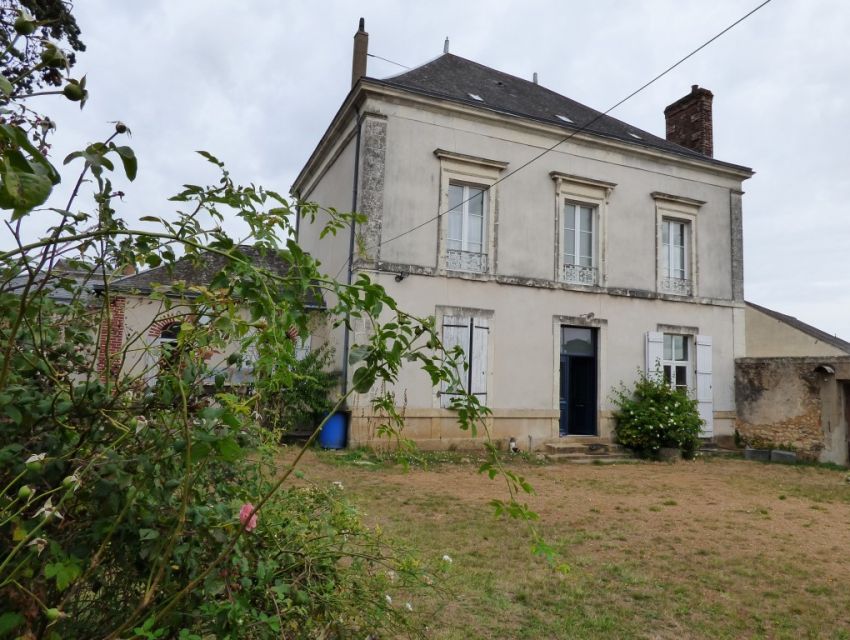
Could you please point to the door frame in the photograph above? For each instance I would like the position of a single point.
(595, 326)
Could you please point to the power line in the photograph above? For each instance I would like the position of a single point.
(398, 64)
(584, 127)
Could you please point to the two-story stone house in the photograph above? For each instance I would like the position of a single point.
(561, 248)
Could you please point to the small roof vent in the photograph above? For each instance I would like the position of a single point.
(564, 118)
(475, 96)
(635, 136)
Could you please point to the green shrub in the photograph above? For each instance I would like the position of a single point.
(652, 414)
(301, 404)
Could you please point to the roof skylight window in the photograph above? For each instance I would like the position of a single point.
(635, 136)
(475, 96)
(564, 118)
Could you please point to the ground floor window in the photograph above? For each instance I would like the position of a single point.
(472, 335)
(676, 362)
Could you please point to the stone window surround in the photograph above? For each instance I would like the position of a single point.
(459, 168)
(589, 192)
(440, 312)
(678, 209)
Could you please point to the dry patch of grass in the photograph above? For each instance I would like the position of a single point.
(706, 549)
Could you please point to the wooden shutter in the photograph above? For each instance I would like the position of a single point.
(478, 360)
(654, 352)
(455, 333)
(302, 347)
(705, 393)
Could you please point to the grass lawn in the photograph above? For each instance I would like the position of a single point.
(704, 549)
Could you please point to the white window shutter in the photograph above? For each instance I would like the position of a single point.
(478, 360)
(302, 347)
(455, 333)
(705, 393)
(654, 352)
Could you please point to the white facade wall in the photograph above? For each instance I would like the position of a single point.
(521, 290)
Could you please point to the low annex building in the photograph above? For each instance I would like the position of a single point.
(793, 389)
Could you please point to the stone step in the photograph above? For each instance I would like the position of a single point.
(594, 448)
(574, 458)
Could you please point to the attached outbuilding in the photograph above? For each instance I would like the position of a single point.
(793, 389)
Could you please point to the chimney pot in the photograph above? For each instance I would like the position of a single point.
(446, 45)
(361, 52)
(689, 121)
(535, 77)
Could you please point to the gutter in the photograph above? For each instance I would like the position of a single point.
(346, 341)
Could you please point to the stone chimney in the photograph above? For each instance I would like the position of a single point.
(689, 121)
(361, 50)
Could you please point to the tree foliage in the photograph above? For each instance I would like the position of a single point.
(139, 494)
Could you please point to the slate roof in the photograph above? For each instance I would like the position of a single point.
(454, 78)
(199, 270)
(808, 329)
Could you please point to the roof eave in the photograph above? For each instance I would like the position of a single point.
(740, 171)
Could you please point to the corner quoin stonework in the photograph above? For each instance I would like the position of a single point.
(373, 152)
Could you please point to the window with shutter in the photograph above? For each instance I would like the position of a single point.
(680, 356)
(471, 334)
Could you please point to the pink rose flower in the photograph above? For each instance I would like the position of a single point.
(247, 518)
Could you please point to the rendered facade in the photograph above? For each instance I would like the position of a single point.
(561, 248)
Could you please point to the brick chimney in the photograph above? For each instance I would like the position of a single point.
(361, 50)
(689, 121)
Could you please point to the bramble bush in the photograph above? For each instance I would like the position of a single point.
(652, 414)
(140, 495)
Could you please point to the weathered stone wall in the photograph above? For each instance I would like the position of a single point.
(790, 403)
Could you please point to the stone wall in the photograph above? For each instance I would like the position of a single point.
(792, 403)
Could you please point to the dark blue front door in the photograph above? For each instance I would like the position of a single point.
(578, 381)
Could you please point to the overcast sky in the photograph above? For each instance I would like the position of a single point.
(257, 83)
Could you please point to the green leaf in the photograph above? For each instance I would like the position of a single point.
(229, 450)
(6, 86)
(13, 413)
(363, 379)
(357, 353)
(63, 572)
(200, 450)
(128, 158)
(24, 191)
(9, 621)
(148, 534)
(211, 413)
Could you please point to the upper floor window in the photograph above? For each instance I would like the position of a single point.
(581, 207)
(578, 258)
(675, 250)
(676, 219)
(466, 237)
(468, 195)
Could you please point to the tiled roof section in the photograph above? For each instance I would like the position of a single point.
(454, 78)
(808, 329)
(199, 270)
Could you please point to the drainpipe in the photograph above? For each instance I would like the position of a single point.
(347, 335)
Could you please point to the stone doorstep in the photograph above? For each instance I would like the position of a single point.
(581, 458)
(585, 450)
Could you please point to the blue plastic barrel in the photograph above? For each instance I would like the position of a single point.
(334, 433)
